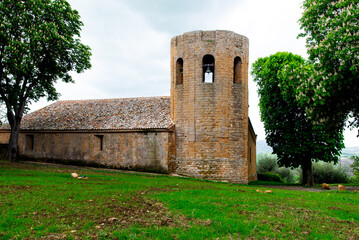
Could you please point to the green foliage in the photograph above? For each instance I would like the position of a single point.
(268, 163)
(39, 44)
(331, 30)
(287, 174)
(329, 173)
(355, 166)
(354, 180)
(294, 138)
(270, 177)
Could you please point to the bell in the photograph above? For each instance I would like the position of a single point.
(208, 70)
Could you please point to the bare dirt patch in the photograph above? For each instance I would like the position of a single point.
(5, 189)
(142, 211)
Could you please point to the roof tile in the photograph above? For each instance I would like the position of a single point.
(102, 114)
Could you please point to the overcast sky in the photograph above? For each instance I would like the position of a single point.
(130, 42)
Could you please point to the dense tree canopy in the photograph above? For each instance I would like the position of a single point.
(39, 44)
(293, 137)
(332, 31)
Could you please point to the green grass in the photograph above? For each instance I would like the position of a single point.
(46, 202)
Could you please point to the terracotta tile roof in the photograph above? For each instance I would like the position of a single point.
(102, 114)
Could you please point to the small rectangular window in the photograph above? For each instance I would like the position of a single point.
(100, 141)
(29, 142)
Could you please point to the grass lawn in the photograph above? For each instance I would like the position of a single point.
(46, 202)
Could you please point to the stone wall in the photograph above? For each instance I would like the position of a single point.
(3, 149)
(252, 160)
(142, 150)
(211, 118)
(4, 137)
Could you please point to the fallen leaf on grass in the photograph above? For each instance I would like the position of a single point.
(341, 188)
(111, 220)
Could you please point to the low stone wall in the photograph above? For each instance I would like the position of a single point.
(142, 150)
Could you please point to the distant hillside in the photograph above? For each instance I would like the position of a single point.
(263, 148)
(348, 152)
(345, 161)
(345, 158)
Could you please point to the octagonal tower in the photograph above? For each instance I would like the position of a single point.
(209, 104)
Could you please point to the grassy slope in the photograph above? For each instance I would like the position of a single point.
(46, 202)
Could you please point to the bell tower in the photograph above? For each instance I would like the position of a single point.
(209, 104)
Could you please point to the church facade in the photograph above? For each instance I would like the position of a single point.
(202, 130)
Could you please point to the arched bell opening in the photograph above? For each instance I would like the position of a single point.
(208, 68)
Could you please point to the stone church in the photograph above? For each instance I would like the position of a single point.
(202, 130)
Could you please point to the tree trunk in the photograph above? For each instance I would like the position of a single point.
(13, 142)
(308, 179)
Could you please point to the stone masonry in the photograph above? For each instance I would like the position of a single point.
(130, 150)
(211, 119)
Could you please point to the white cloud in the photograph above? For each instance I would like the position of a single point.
(127, 53)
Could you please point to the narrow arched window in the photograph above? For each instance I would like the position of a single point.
(179, 71)
(237, 70)
(208, 69)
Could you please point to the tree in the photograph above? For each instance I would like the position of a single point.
(331, 28)
(355, 166)
(293, 137)
(39, 44)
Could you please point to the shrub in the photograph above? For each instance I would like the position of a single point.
(329, 173)
(286, 174)
(270, 177)
(267, 163)
(354, 180)
(355, 166)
